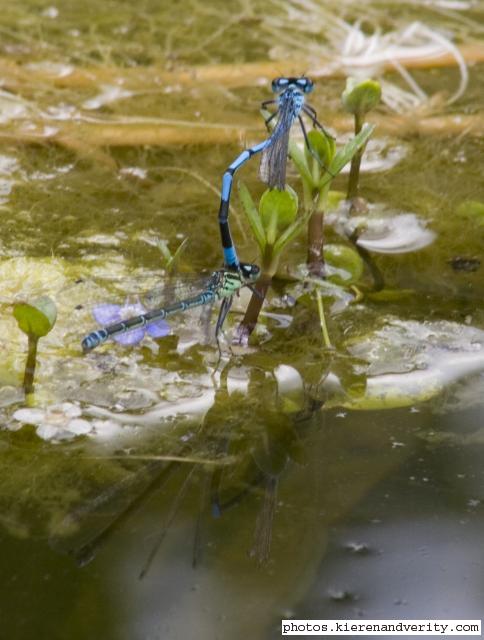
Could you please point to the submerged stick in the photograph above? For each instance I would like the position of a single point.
(84, 137)
(16, 76)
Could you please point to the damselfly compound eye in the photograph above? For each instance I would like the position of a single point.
(305, 84)
(279, 84)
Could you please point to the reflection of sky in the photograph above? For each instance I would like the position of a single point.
(422, 535)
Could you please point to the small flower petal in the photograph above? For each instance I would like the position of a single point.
(30, 416)
(129, 310)
(130, 338)
(106, 429)
(51, 432)
(158, 329)
(79, 427)
(68, 409)
(107, 313)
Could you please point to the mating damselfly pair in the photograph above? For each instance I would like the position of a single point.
(221, 285)
(224, 283)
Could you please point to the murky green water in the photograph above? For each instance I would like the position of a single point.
(299, 481)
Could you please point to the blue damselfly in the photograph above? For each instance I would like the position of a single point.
(290, 105)
(222, 285)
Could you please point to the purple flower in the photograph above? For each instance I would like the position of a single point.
(106, 314)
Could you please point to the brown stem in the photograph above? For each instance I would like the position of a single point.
(315, 259)
(30, 364)
(251, 316)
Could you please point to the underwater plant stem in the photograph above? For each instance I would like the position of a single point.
(354, 177)
(315, 257)
(322, 320)
(29, 373)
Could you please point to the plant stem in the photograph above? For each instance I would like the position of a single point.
(249, 321)
(315, 259)
(354, 178)
(30, 364)
(322, 320)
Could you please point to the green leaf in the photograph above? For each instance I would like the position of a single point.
(38, 318)
(359, 97)
(165, 250)
(334, 199)
(323, 146)
(277, 209)
(344, 155)
(170, 259)
(291, 232)
(252, 215)
(298, 156)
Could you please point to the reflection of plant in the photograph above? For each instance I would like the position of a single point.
(106, 314)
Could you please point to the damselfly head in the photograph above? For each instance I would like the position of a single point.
(250, 272)
(302, 83)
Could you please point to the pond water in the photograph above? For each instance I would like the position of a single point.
(155, 492)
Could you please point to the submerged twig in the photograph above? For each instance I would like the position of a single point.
(263, 529)
(191, 460)
(171, 516)
(18, 77)
(84, 137)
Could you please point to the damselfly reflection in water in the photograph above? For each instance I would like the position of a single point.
(227, 461)
(221, 285)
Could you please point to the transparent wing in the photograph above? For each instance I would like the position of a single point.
(274, 157)
(88, 304)
(274, 162)
(151, 290)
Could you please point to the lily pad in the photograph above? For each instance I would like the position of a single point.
(344, 258)
(383, 230)
(408, 362)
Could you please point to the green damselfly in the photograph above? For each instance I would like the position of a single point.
(222, 285)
